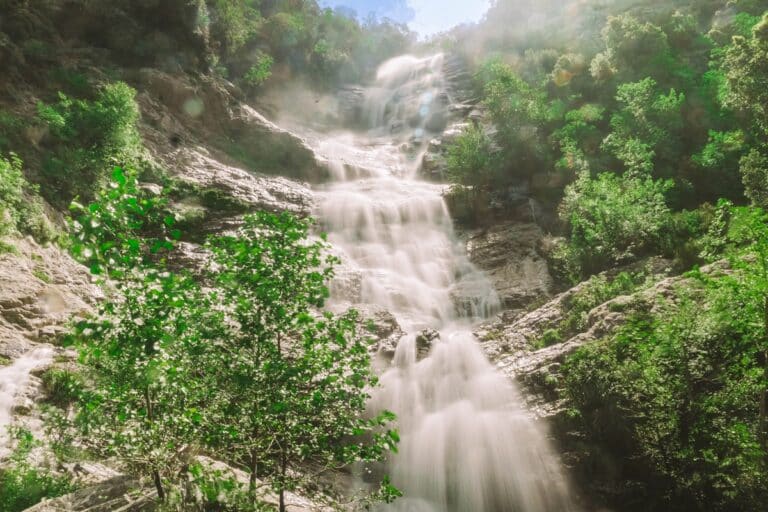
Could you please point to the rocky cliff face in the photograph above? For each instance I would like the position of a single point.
(225, 157)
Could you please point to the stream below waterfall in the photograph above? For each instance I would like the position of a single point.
(467, 443)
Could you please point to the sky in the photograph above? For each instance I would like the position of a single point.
(427, 17)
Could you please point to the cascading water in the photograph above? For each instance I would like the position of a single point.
(467, 446)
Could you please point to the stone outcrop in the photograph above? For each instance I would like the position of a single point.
(106, 490)
(41, 288)
(179, 111)
(510, 256)
(253, 191)
(510, 341)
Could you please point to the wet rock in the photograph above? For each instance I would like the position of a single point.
(41, 289)
(425, 340)
(351, 100)
(257, 192)
(118, 493)
(509, 255)
(384, 327)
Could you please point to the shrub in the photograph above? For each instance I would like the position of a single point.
(260, 71)
(614, 219)
(21, 209)
(22, 484)
(62, 387)
(471, 161)
(88, 139)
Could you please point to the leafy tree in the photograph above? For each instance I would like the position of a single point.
(614, 219)
(754, 174)
(519, 111)
(471, 160)
(293, 382)
(644, 126)
(746, 69)
(140, 349)
(633, 49)
(88, 137)
(579, 138)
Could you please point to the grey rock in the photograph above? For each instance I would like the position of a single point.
(41, 289)
(425, 340)
(258, 192)
(509, 255)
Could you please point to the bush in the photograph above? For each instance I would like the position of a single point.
(260, 71)
(88, 139)
(23, 485)
(21, 210)
(62, 387)
(471, 160)
(676, 393)
(614, 219)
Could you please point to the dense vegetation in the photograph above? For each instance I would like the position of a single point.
(666, 116)
(298, 40)
(643, 143)
(248, 370)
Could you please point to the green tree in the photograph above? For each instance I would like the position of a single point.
(293, 382)
(633, 49)
(746, 92)
(140, 349)
(614, 219)
(471, 160)
(644, 127)
(89, 137)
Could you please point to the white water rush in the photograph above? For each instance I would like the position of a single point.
(467, 445)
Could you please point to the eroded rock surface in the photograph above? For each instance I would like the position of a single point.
(41, 288)
(509, 255)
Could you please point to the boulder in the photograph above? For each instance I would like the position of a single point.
(425, 340)
(180, 111)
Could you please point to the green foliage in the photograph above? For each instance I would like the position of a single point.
(470, 158)
(746, 71)
(595, 291)
(683, 384)
(62, 387)
(123, 229)
(293, 384)
(614, 219)
(323, 45)
(249, 370)
(22, 484)
(644, 126)
(754, 174)
(21, 209)
(88, 137)
(260, 71)
(11, 127)
(633, 48)
(234, 22)
(580, 137)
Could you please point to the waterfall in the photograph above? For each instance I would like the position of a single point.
(467, 443)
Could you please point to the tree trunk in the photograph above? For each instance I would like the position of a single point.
(155, 473)
(283, 471)
(158, 485)
(254, 470)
